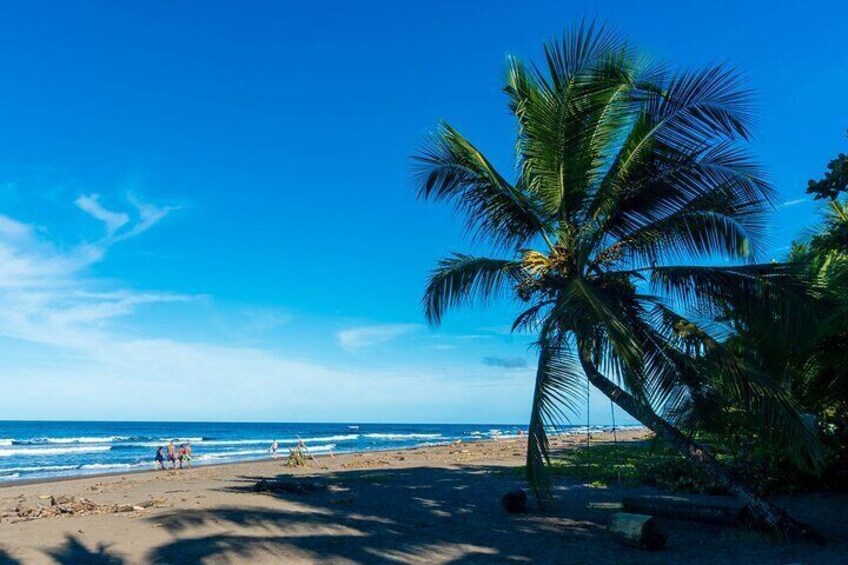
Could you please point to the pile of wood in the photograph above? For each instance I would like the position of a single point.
(50, 506)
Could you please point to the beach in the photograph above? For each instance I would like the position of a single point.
(435, 504)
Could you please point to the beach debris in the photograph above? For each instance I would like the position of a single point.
(294, 487)
(637, 530)
(296, 458)
(66, 505)
(515, 501)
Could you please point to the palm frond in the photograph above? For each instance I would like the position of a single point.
(557, 390)
(569, 122)
(717, 381)
(772, 291)
(462, 278)
(623, 354)
(685, 235)
(450, 168)
(720, 178)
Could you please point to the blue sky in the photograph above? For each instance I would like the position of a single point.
(205, 208)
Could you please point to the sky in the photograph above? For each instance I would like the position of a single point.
(206, 210)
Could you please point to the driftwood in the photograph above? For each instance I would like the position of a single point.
(724, 511)
(294, 487)
(64, 506)
(637, 530)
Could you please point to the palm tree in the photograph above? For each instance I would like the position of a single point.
(624, 170)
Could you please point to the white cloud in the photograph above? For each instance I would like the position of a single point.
(46, 296)
(146, 216)
(90, 203)
(86, 365)
(363, 337)
(789, 203)
(73, 348)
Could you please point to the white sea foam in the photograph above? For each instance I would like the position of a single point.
(432, 443)
(107, 466)
(36, 452)
(6, 441)
(243, 453)
(230, 454)
(321, 448)
(11, 477)
(41, 468)
(402, 436)
(237, 442)
(67, 440)
(346, 437)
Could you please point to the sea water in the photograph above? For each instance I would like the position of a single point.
(43, 450)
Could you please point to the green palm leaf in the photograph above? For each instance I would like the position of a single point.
(462, 278)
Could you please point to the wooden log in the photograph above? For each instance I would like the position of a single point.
(637, 530)
(724, 511)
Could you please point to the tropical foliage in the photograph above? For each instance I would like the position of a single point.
(633, 224)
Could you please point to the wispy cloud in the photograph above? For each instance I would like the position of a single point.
(145, 217)
(789, 203)
(83, 339)
(45, 294)
(148, 215)
(363, 337)
(506, 362)
(90, 203)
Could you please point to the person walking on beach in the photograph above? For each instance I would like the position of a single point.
(187, 455)
(273, 449)
(160, 460)
(172, 454)
(181, 454)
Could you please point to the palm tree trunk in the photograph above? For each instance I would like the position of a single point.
(764, 512)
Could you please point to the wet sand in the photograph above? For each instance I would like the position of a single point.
(425, 505)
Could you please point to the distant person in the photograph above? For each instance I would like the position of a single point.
(172, 454)
(274, 448)
(181, 454)
(521, 433)
(187, 456)
(160, 459)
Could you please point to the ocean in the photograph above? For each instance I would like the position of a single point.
(43, 450)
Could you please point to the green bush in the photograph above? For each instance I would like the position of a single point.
(650, 463)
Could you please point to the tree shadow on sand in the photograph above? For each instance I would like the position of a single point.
(6, 559)
(428, 515)
(74, 552)
(418, 514)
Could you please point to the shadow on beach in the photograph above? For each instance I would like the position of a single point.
(453, 515)
(73, 552)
